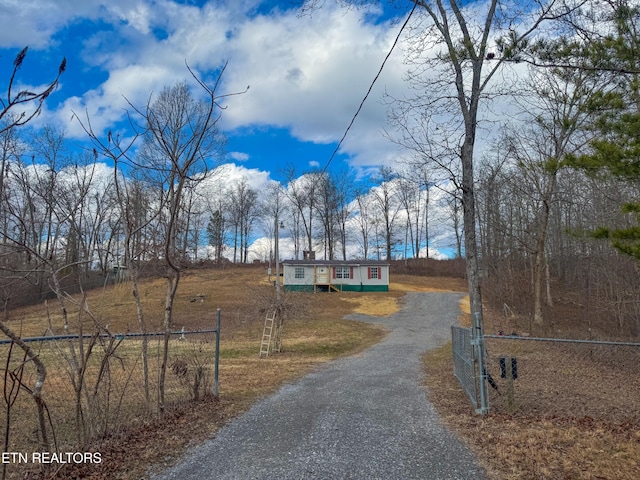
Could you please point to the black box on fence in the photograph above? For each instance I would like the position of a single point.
(514, 367)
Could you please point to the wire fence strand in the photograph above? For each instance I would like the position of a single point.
(96, 386)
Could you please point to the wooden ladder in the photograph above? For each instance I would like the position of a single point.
(265, 344)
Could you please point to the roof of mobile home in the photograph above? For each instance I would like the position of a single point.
(334, 262)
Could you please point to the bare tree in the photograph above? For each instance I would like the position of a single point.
(61, 258)
(344, 192)
(468, 56)
(559, 112)
(217, 228)
(41, 189)
(19, 108)
(10, 152)
(182, 140)
(135, 215)
(364, 219)
(410, 195)
(273, 205)
(453, 203)
(454, 60)
(327, 208)
(302, 192)
(388, 205)
(243, 209)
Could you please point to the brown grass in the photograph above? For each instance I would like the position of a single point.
(315, 334)
(551, 443)
(575, 413)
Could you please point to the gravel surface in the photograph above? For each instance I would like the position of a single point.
(362, 417)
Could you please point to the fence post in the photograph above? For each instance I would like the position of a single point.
(215, 375)
(478, 342)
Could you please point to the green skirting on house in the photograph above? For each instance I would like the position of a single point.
(344, 288)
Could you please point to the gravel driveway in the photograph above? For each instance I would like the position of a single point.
(362, 417)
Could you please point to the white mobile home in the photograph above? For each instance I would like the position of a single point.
(337, 275)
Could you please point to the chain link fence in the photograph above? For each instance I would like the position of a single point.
(550, 377)
(564, 377)
(96, 386)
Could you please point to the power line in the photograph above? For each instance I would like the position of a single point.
(415, 4)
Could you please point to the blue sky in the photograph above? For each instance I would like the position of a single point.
(307, 73)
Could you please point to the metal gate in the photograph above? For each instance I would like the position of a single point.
(468, 366)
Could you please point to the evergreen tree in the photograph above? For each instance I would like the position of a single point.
(215, 232)
(615, 150)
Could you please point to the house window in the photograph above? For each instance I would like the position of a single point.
(374, 272)
(299, 272)
(343, 272)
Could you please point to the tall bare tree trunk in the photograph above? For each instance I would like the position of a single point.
(540, 264)
(36, 393)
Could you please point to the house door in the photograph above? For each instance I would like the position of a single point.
(322, 275)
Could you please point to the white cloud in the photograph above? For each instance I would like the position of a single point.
(232, 173)
(34, 22)
(308, 74)
(239, 156)
(107, 104)
(216, 185)
(37, 22)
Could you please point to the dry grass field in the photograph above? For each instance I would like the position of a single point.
(574, 412)
(531, 441)
(314, 333)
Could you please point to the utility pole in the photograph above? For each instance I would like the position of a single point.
(277, 259)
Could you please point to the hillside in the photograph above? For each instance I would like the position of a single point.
(314, 333)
